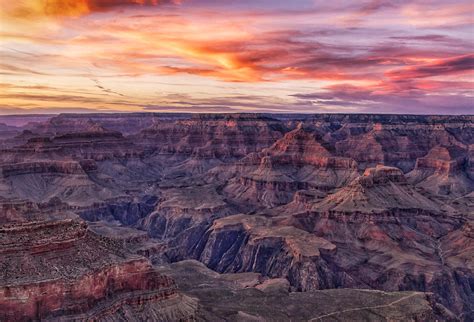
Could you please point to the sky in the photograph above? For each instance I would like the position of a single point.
(273, 56)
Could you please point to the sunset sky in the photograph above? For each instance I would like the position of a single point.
(315, 56)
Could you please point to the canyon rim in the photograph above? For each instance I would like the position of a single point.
(251, 160)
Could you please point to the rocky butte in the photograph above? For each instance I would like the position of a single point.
(218, 217)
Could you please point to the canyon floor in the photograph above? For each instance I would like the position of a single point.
(236, 217)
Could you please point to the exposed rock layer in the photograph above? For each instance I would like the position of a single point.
(61, 269)
(311, 201)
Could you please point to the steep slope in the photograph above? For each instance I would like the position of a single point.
(61, 270)
(377, 190)
(297, 161)
(443, 171)
(251, 297)
(43, 180)
(244, 243)
(202, 142)
(390, 236)
(324, 201)
(378, 232)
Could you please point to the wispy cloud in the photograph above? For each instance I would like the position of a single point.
(99, 85)
(449, 66)
(119, 54)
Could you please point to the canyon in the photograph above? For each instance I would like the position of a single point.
(155, 216)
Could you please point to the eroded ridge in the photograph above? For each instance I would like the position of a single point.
(61, 268)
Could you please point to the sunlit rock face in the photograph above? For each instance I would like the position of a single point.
(62, 269)
(96, 213)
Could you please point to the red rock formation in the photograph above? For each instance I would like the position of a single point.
(298, 181)
(60, 268)
(205, 141)
(67, 124)
(243, 243)
(377, 190)
(395, 140)
(443, 171)
(297, 161)
(60, 167)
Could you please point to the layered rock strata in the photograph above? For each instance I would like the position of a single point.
(52, 270)
(313, 201)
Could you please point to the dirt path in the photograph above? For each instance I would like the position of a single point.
(365, 308)
(439, 251)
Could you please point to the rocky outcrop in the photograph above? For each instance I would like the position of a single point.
(297, 161)
(202, 142)
(443, 171)
(52, 167)
(393, 140)
(305, 202)
(184, 208)
(41, 180)
(379, 189)
(213, 136)
(61, 270)
(391, 236)
(247, 296)
(245, 243)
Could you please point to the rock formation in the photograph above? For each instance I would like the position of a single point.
(60, 269)
(286, 202)
(443, 171)
(297, 161)
(253, 297)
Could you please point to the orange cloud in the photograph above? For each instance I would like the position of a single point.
(69, 8)
(201, 46)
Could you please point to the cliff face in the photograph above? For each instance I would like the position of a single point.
(244, 243)
(315, 202)
(297, 161)
(444, 171)
(60, 268)
(251, 297)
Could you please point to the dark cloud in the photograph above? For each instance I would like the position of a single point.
(99, 85)
(365, 100)
(449, 66)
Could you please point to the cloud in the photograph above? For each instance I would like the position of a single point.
(368, 8)
(449, 66)
(52, 98)
(70, 8)
(7, 69)
(387, 50)
(438, 13)
(99, 85)
(15, 110)
(378, 99)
